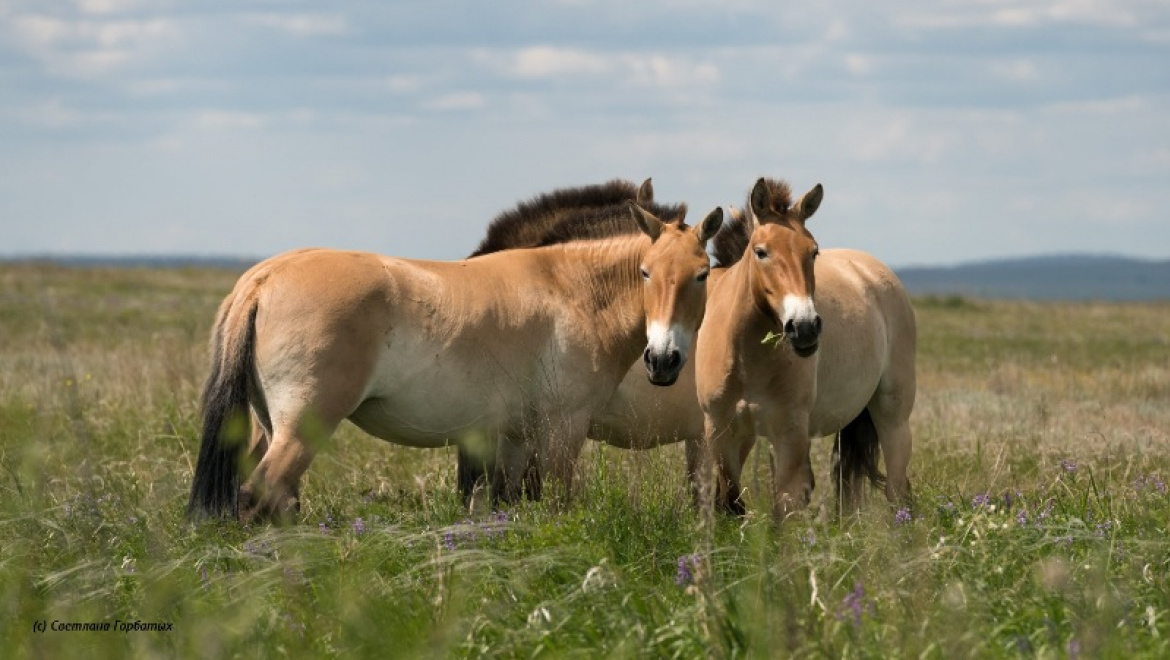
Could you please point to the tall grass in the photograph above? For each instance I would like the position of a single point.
(1040, 527)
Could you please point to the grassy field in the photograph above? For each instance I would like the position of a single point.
(1040, 528)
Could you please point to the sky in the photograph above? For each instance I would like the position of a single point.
(942, 131)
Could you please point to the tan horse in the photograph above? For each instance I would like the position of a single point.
(845, 362)
(642, 416)
(516, 349)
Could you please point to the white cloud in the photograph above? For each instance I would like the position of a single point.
(548, 62)
(303, 25)
(551, 62)
(106, 6)
(218, 120)
(1018, 70)
(1101, 107)
(457, 101)
(403, 83)
(90, 47)
(1027, 13)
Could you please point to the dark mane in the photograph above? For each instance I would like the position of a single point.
(616, 220)
(778, 198)
(731, 242)
(531, 221)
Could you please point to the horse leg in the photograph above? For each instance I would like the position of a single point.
(792, 476)
(472, 471)
(513, 456)
(560, 448)
(896, 442)
(728, 443)
(273, 489)
(258, 445)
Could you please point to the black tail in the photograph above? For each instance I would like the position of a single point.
(216, 486)
(855, 454)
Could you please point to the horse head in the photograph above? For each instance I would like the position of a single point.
(674, 271)
(781, 254)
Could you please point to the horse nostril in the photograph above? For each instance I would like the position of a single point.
(789, 327)
(817, 324)
(646, 356)
(673, 359)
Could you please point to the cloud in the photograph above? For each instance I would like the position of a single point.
(545, 62)
(219, 120)
(303, 25)
(89, 47)
(457, 101)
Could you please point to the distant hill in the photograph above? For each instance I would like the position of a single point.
(1057, 277)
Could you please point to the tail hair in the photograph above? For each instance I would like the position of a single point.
(856, 451)
(225, 429)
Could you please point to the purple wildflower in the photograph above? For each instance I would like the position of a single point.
(1022, 517)
(1074, 649)
(1068, 465)
(1150, 481)
(324, 528)
(809, 538)
(687, 564)
(449, 541)
(1047, 510)
(855, 605)
(1104, 528)
(359, 526)
(902, 516)
(203, 576)
(980, 500)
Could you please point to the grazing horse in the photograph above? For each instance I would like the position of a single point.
(515, 349)
(839, 357)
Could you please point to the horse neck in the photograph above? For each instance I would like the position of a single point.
(739, 298)
(601, 277)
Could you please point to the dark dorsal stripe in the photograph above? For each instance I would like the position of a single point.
(571, 214)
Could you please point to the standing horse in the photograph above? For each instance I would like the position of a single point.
(844, 362)
(517, 348)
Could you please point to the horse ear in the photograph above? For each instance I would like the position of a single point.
(710, 225)
(647, 222)
(759, 199)
(645, 193)
(811, 201)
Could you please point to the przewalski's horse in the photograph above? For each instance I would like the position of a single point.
(560, 217)
(517, 348)
(844, 363)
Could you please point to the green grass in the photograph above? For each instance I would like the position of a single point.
(1040, 526)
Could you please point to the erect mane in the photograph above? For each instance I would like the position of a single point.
(616, 220)
(728, 246)
(572, 214)
(778, 198)
(530, 221)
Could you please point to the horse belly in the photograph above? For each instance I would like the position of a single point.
(853, 357)
(419, 398)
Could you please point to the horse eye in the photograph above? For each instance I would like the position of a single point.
(645, 274)
(703, 276)
(761, 253)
